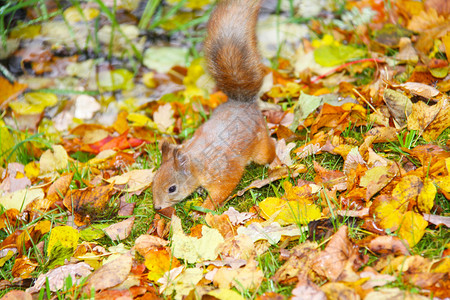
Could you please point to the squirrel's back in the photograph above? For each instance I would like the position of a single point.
(231, 49)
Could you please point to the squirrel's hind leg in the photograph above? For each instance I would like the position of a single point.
(264, 150)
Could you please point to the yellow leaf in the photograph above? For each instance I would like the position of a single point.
(159, 262)
(441, 266)
(389, 215)
(195, 71)
(225, 294)
(6, 144)
(21, 198)
(149, 80)
(140, 120)
(32, 170)
(73, 15)
(412, 228)
(66, 236)
(34, 103)
(194, 249)
(51, 161)
(406, 190)
(302, 194)
(289, 212)
(425, 200)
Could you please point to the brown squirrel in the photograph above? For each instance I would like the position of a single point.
(236, 134)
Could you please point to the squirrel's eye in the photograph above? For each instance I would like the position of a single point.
(172, 189)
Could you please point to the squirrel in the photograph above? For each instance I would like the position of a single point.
(236, 133)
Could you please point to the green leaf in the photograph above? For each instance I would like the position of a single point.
(332, 55)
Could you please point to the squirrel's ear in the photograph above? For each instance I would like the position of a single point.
(167, 150)
(180, 159)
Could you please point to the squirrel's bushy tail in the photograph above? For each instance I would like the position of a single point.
(231, 51)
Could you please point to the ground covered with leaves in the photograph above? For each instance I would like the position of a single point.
(356, 206)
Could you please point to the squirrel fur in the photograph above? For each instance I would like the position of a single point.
(236, 134)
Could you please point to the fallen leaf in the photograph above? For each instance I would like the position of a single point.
(237, 218)
(21, 199)
(272, 233)
(163, 117)
(399, 105)
(412, 228)
(90, 203)
(388, 244)
(437, 220)
(53, 160)
(330, 262)
(23, 267)
(110, 274)
(183, 283)
(134, 180)
(57, 277)
(246, 278)
(194, 249)
(158, 262)
(121, 230)
(299, 263)
(17, 295)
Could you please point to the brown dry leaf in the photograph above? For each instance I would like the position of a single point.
(17, 295)
(388, 244)
(331, 262)
(376, 279)
(383, 134)
(239, 247)
(429, 155)
(299, 263)
(146, 242)
(430, 120)
(437, 220)
(407, 53)
(274, 175)
(353, 160)
(246, 278)
(426, 19)
(237, 218)
(89, 203)
(330, 179)
(114, 294)
(221, 223)
(110, 274)
(23, 267)
(121, 230)
(337, 290)
(307, 290)
(441, 6)
(330, 116)
(393, 294)
(57, 276)
(284, 152)
(440, 122)
(399, 105)
(30, 236)
(59, 188)
(420, 89)
(375, 179)
(9, 218)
